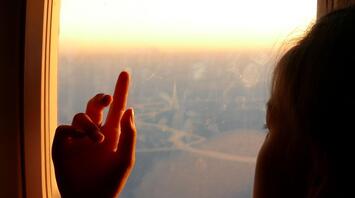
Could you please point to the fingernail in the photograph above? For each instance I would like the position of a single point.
(105, 100)
(124, 75)
(132, 116)
(99, 137)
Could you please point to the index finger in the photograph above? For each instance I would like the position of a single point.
(119, 102)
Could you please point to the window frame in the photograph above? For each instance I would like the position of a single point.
(40, 96)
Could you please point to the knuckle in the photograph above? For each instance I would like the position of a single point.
(90, 102)
(97, 98)
(63, 131)
(95, 101)
(99, 95)
(78, 117)
(60, 129)
(134, 132)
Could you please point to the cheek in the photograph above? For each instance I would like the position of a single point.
(270, 169)
(280, 171)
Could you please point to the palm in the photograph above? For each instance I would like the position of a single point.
(90, 169)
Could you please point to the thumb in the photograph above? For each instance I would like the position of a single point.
(127, 140)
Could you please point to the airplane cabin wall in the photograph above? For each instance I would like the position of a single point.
(12, 15)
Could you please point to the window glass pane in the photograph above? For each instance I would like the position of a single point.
(201, 73)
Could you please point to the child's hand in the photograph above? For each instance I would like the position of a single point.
(94, 160)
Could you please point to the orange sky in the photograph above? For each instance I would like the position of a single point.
(181, 24)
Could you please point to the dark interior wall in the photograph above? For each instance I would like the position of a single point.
(12, 15)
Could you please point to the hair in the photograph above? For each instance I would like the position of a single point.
(312, 99)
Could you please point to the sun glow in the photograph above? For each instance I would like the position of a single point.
(181, 24)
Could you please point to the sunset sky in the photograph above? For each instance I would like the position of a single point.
(181, 24)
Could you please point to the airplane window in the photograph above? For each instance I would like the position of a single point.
(201, 74)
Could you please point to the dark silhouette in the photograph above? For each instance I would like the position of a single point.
(307, 152)
(310, 115)
(91, 159)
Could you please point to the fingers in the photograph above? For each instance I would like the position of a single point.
(127, 142)
(95, 107)
(119, 101)
(63, 134)
(82, 126)
(83, 123)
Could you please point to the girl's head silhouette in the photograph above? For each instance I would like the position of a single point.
(311, 113)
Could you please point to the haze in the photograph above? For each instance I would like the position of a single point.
(184, 24)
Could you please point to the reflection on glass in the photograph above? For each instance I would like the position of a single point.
(201, 73)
